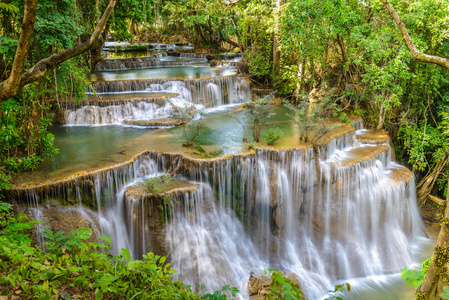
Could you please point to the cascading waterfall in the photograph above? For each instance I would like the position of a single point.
(192, 55)
(218, 91)
(351, 217)
(144, 62)
(136, 109)
(208, 245)
(197, 87)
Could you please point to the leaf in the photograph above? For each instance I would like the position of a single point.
(47, 275)
(84, 233)
(126, 254)
(43, 297)
(65, 295)
(99, 296)
(348, 287)
(106, 239)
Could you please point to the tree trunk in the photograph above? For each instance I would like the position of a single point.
(17, 79)
(276, 53)
(429, 288)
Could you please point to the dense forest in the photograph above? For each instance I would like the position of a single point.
(386, 62)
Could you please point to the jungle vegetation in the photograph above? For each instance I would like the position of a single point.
(386, 62)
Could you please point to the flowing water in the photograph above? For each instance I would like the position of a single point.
(347, 213)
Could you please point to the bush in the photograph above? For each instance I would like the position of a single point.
(73, 267)
(155, 184)
(273, 135)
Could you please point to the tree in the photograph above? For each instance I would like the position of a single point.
(430, 288)
(310, 118)
(442, 61)
(17, 78)
(241, 121)
(258, 113)
(191, 119)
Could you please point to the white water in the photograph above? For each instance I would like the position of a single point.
(116, 114)
(217, 91)
(208, 245)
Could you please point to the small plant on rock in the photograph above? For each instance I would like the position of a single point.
(154, 185)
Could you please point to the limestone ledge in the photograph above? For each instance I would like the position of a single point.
(376, 137)
(361, 154)
(160, 122)
(104, 101)
(88, 176)
(168, 79)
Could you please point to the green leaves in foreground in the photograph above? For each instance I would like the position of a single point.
(73, 267)
(415, 278)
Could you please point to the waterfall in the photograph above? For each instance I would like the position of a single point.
(353, 213)
(192, 55)
(144, 62)
(208, 245)
(217, 91)
(197, 87)
(137, 109)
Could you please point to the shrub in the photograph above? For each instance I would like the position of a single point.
(273, 135)
(155, 184)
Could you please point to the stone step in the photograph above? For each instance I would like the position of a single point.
(159, 122)
(399, 174)
(117, 99)
(357, 155)
(372, 136)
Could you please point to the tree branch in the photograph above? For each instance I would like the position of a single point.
(10, 86)
(9, 89)
(444, 62)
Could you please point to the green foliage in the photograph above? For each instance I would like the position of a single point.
(445, 294)
(71, 261)
(422, 141)
(5, 183)
(204, 154)
(9, 8)
(154, 185)
(283, 288)
(24, 139)
(415, 278)
(338, 289)
(273, 135)
(207, 23)
(252, 146)
(58, 29)
(256, 26)
(219, 295)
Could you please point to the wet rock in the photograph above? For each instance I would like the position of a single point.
(259, 285)
(214, 63)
